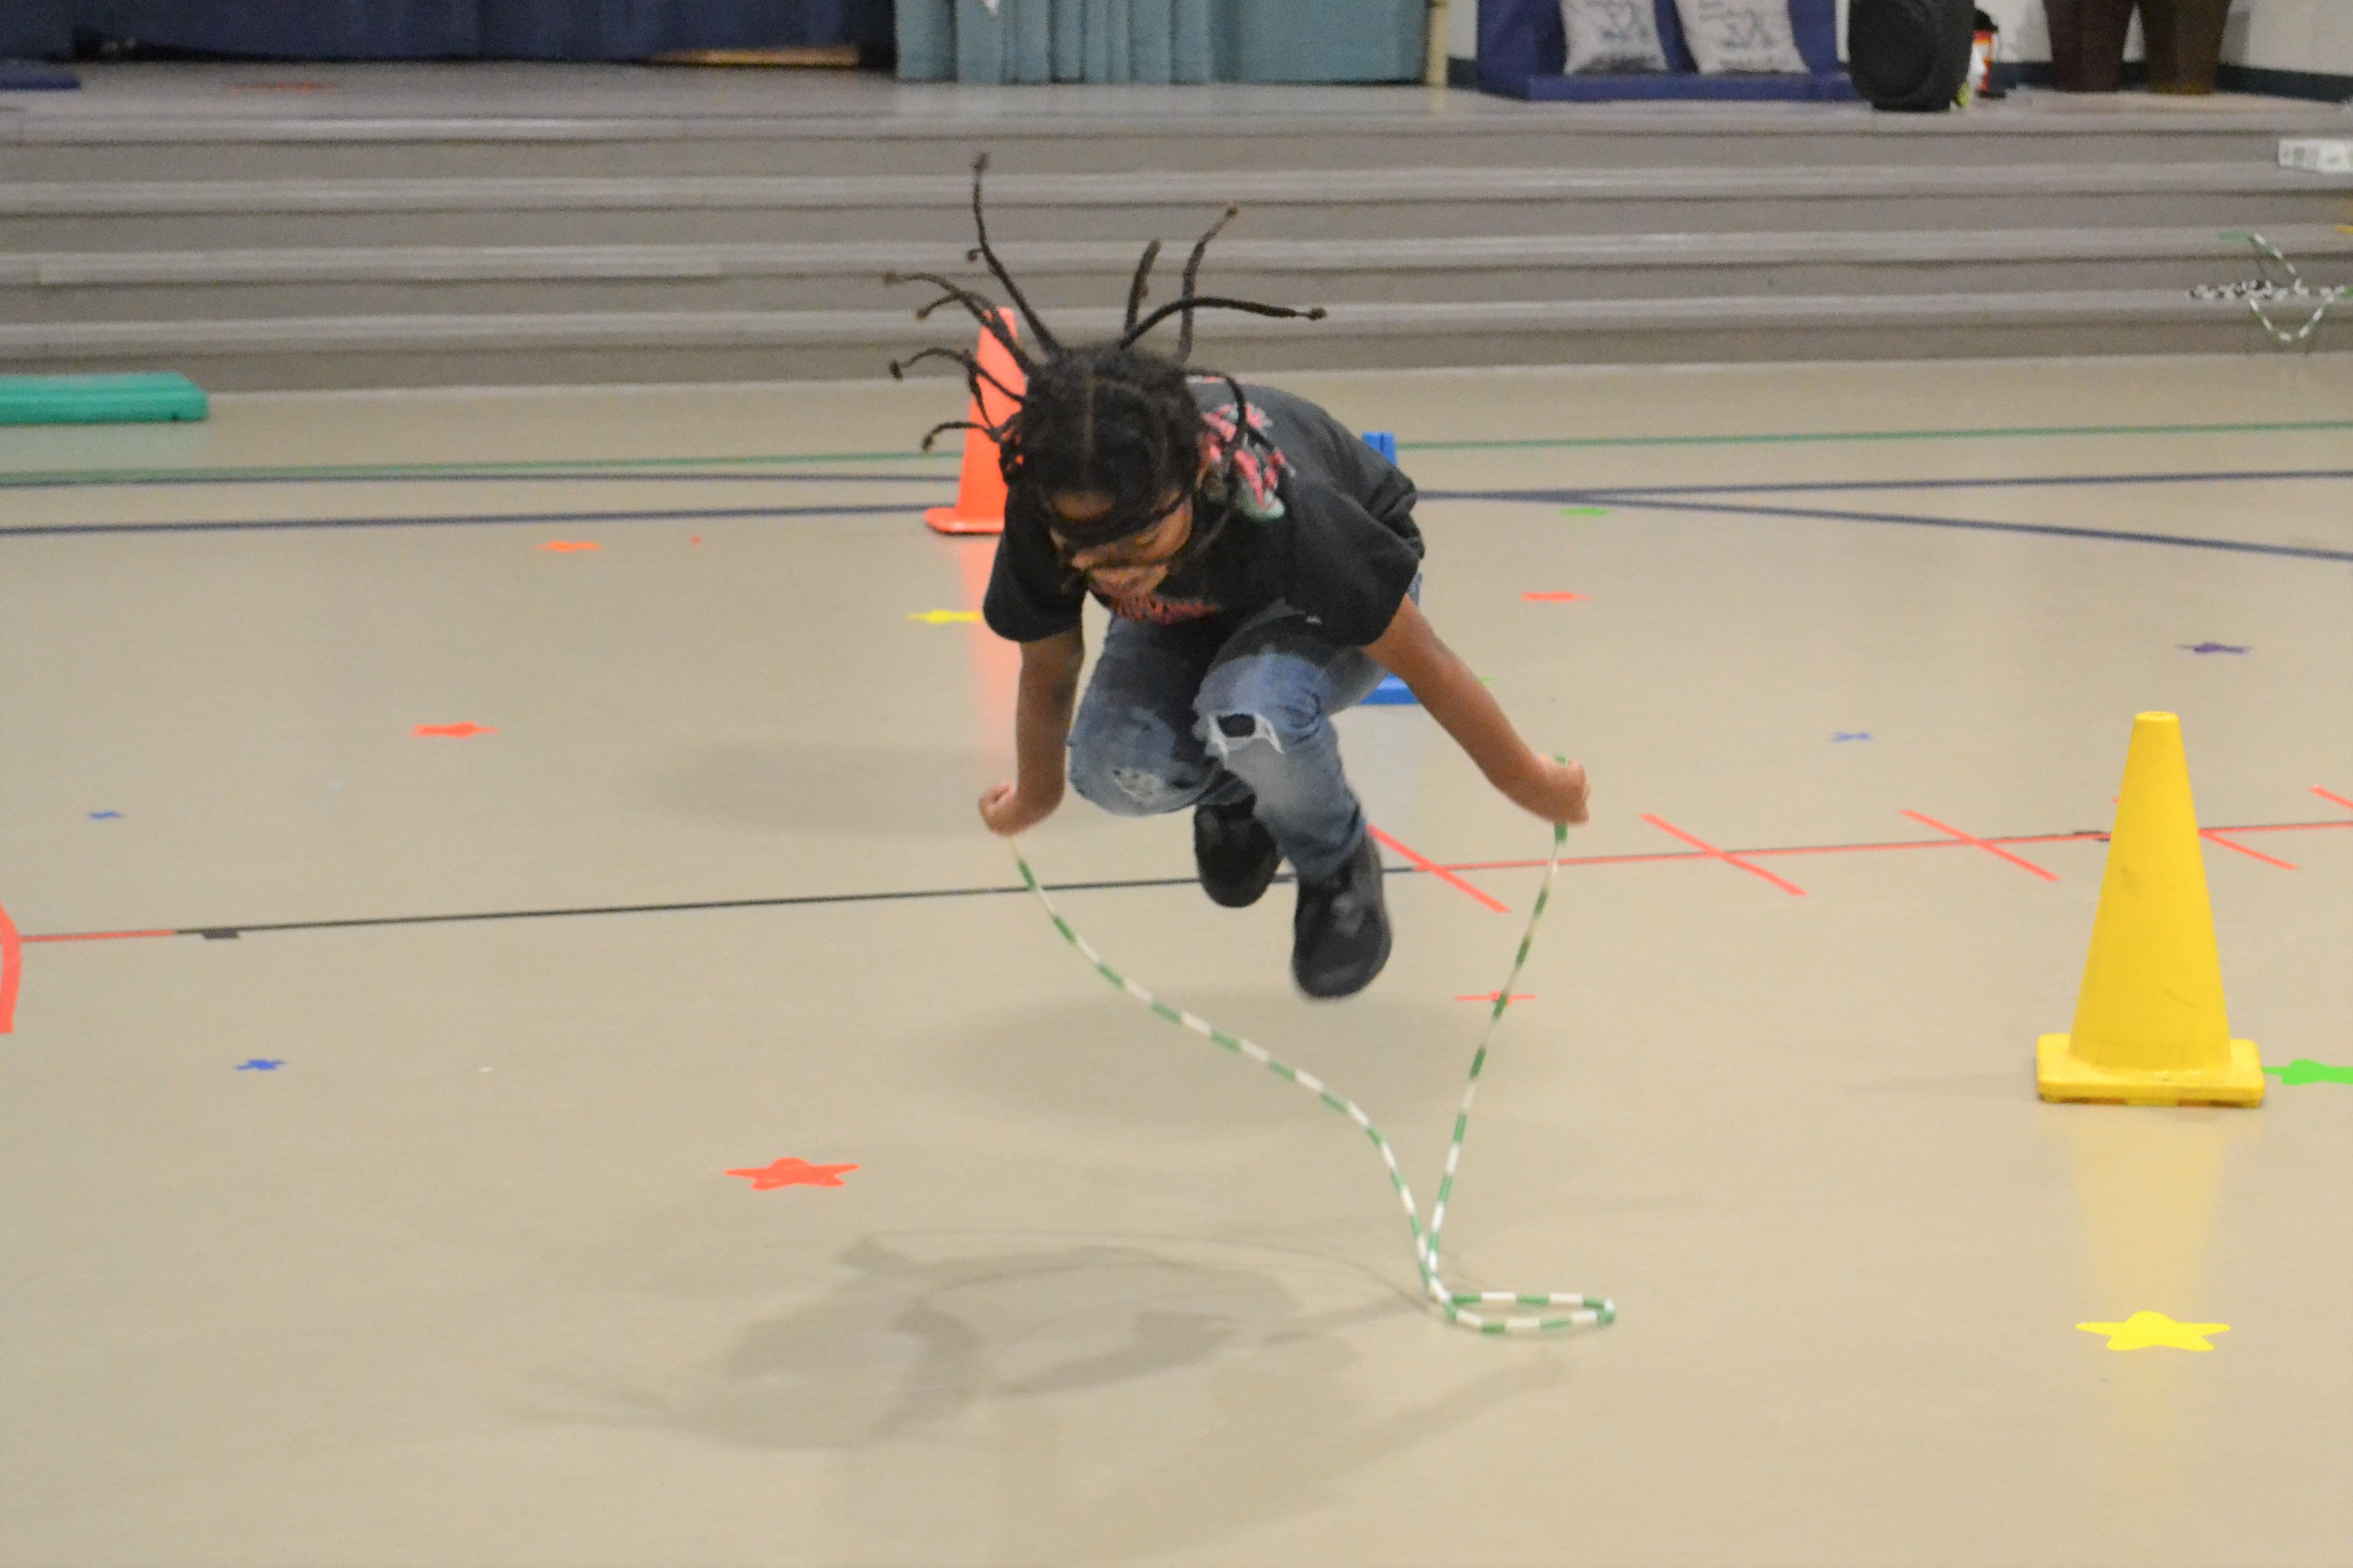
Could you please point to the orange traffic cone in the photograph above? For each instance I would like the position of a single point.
(980, 488)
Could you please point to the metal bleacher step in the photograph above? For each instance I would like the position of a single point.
(101, 286)
(366, 244)
(424, 349)
(1475, 133)
(1321, 204)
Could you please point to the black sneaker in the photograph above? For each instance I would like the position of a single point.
(1340, 936)
(1234, 853)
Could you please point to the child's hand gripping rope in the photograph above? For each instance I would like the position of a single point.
(1585, 1310)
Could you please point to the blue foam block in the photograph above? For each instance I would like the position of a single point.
(1384, 442)
(16, 75)
(1391, 692)
(100, 399)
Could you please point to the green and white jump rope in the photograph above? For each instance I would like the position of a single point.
(1456, 1305)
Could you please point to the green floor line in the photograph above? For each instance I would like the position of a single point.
(2304, 1069)
(1794, 439)
(656, 465)
(654, 468)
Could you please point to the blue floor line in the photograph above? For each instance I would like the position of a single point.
(2046, 530)
(1648, 497)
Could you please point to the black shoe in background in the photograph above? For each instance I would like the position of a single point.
(1234, 853)
(1340, 935)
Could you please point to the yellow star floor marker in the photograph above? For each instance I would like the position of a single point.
(2143, 1329)
(942, 617)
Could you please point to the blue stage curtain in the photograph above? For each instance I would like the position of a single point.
(1161, 40)
(634, 29)
(291, 29)
(437, 30)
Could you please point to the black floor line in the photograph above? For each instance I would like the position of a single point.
(227, 932)
(1655, 501)
(231, 933)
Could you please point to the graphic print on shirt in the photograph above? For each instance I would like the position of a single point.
(1160, 612)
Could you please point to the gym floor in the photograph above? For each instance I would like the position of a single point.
(448, 834)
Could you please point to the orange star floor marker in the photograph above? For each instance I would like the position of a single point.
(791, 1172)
(2144, 1329)
(1555, 597)
(457, 732)
(567, 546)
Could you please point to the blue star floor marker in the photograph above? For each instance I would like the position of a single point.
(2212, 648)
(260, 1064)
(105, 815)
(1839, 735)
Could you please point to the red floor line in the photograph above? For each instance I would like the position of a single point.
(95, 936)
(1729, 859)
(1697, 855)
(2080, 836)
(1567, 860)
(2213, 836)
(1988, 846)
(1854, 848)
(2331, 794)
(12, 964)
(1423, 863)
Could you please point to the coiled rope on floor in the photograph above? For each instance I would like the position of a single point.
(2263, 290)
(1458, 1306)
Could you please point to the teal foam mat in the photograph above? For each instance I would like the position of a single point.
(98, 399)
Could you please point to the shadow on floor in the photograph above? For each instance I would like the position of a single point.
(903, 1344)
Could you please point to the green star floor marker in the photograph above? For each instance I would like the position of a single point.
(1584, 511)
(1586, 1311)
(2304, 1069)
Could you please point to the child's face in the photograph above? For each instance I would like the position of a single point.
(1125, 568)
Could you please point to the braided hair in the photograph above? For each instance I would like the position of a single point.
(1110, 418)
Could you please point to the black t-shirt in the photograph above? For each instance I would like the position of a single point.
(1340, 547)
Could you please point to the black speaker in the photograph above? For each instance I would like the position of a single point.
(1909, 54)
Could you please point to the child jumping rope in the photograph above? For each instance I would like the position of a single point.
(1263, 571)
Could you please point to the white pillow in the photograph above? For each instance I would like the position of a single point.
(1742, 36)
(1611, 35)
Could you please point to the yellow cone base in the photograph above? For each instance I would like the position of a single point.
(2060, 1075)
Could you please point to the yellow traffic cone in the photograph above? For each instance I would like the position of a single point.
(2150, 1027)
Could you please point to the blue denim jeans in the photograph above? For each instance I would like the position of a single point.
(1176, 717)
